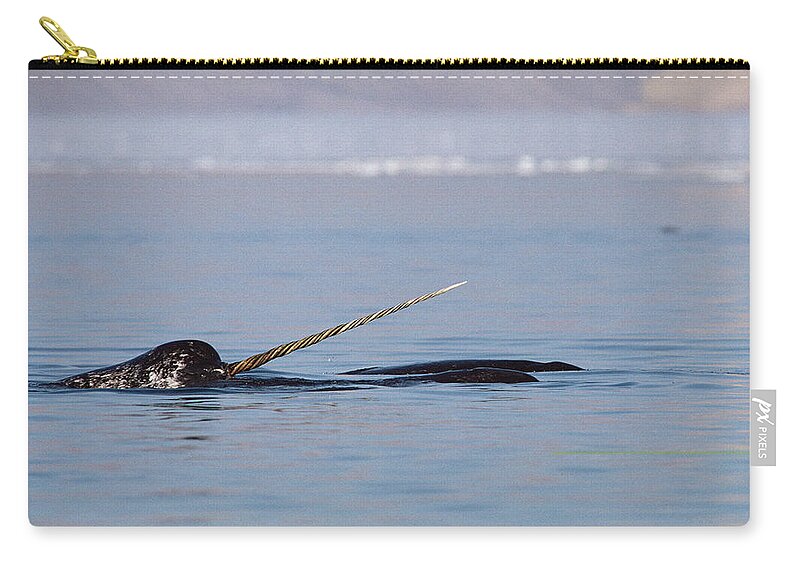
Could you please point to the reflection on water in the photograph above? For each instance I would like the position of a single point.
(562, 449)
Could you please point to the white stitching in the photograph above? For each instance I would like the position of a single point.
(373, 77)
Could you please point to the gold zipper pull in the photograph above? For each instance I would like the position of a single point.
(72, 53)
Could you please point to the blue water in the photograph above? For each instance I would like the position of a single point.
(632, 265)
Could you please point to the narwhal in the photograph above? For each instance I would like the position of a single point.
(194, 363)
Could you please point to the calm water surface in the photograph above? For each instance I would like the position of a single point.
(637, 271)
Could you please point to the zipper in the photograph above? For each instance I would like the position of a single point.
(76, 56)
(72, 52)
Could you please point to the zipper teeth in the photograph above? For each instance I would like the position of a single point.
(442, 63)
(81, 56)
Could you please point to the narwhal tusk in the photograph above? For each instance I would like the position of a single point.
(260, 359)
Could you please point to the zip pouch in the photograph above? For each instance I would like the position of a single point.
(561, 248)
